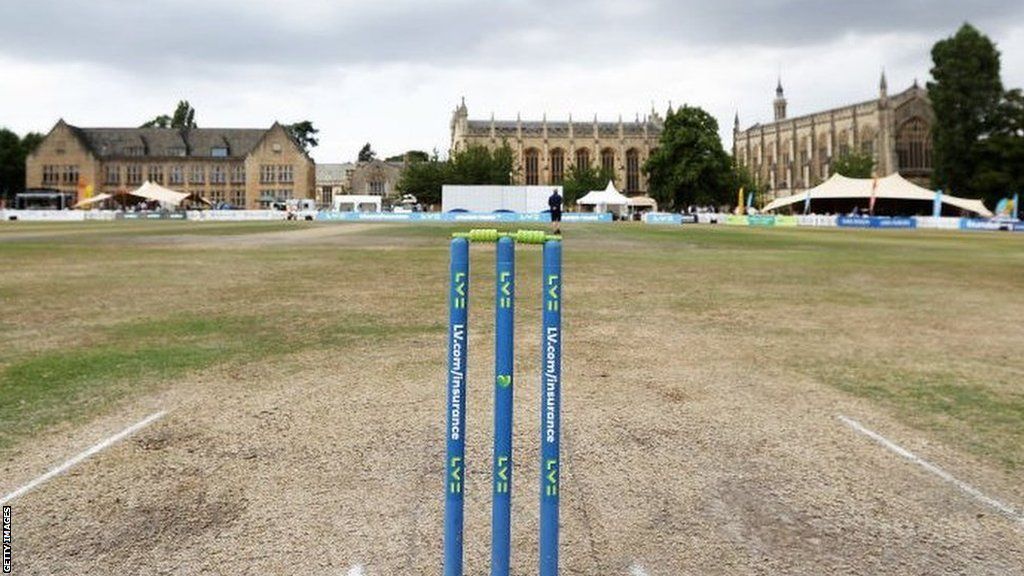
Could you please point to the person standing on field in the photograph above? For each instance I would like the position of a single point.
(555, 205)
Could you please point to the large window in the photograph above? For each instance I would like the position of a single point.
(69, 174)
(51, 174)
(532, 158)
(557, 166)
(284, 173)
(377, 187)
(632, 170)
(155, 174)
(133, 174)
(177, 175)
(238, 174)
(582, 159)
(198, 174)
(113, 174)
(238, 198)
(218, 175)
(266, 173)
(914, 146)
(608, 160)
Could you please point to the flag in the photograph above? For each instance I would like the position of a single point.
(1016, 205)
(937, 204)
(750, 200)
(807, 201)
(871, 202)
(739, 203)
(1003, 207)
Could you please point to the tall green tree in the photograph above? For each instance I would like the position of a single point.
(424, 179)
(853, 164)
(366, 153)
(184, 117)
(13, 151)
(481, 165)
(690, 166)
(965, 92)
(999, 156)
(410, 156)
(579, 181)
(305, 134)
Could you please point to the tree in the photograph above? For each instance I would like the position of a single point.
(742, 178)
(965, 92)
(184, 117)
(13, 151)
(474, 165)
(304, 134)
(690, 166)
(410, 156)
(579, 181)
(481, 165)
(853, 164)
(424, 180)
(999, 168)
(366, 154)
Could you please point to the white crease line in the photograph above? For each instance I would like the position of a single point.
(637, 570)
(82, 456)
(1004, 509)
(356, 570)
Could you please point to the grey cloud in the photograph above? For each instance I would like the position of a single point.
(159, 34)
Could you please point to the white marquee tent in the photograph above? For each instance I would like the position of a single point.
(602, 199)
(151, 191)
(892, 187)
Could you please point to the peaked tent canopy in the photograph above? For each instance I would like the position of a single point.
(607, 197)
(893, 187)
(151, 191)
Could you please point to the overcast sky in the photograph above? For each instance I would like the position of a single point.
(390, 72)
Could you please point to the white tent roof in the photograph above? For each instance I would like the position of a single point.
(151, 191)
(643, 201)
(92, 200)
(893, 187)
(609, 197)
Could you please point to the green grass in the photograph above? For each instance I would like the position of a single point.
(924, 325)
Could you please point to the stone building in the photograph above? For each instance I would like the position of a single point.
(544, 152)
(789, 155)
(373, 178)
(245, 167)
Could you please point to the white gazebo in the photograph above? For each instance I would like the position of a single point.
(604, 200)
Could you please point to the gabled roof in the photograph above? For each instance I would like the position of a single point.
(168, 142)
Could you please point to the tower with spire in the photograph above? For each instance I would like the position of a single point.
(780, 102)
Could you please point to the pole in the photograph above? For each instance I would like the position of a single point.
(504, 354)
(550, 430)
(458, 300)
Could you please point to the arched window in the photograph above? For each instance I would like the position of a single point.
(914, 146)
(557, 166)
(608, 160)
(582, 159)
(632, 170)
(532, 160)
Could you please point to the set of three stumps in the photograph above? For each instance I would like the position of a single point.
(551, 375)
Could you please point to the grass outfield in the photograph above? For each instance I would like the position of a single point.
(927, 325)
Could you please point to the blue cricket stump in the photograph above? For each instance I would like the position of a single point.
(458, 302)
(550, 430)
(504, 354)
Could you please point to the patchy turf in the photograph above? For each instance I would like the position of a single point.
(918, 322)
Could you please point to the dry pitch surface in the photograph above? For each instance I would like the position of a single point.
(706, 373)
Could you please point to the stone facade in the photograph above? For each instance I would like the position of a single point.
(373, 178)
(545, 151)
(790, 155)
(248, 168)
